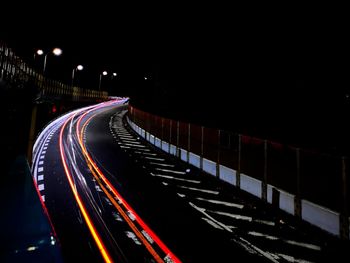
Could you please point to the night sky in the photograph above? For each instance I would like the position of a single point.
(281, 75)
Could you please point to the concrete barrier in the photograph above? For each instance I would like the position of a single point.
(317, 215)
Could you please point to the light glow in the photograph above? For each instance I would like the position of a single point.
(57, 51)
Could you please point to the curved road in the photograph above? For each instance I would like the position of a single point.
(112, 198)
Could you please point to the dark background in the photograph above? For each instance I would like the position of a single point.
(277, 72)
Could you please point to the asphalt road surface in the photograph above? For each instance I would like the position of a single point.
(112, 197)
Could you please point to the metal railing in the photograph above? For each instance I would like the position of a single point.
(308, 175)
(15, 71)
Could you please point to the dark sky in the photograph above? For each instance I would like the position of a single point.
(211, 59)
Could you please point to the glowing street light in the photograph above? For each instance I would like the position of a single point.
(79, 68)
(56, 51)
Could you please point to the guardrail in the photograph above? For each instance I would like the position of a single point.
(16, 72)
(310, 185)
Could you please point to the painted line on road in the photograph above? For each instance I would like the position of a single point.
(40, 177)
(170, 171)
(200, 190)
(41, 187)
(218, 202)
(175, 178)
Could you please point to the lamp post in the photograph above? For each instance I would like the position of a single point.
(79, 67)
(56, 51)
(104, 73)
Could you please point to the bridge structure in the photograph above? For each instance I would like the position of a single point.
(29, 100)
(310, 186)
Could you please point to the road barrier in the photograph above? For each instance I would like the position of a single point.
(311, 185)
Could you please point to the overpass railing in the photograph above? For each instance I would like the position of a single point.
(15, 71)
(308, 184)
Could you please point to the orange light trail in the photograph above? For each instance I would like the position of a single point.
(156, 239)
(82, 208)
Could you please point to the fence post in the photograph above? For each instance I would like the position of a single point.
(171, 127)
(344, 216)
(297, 198)
(189, 142)
(218, 159)
(238, 174)
(162, 134)
(178, 139)
(264, 182)
(202, 148)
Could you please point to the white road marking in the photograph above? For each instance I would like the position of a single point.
(170, 171)
(221, 202)
(43, 197)
(202, 210)
(43, 152)
(41, 162)
(164, 183)
(133, 237)
(40, 177)
(117, 216)
(235, 216)
(250, 246)
(212, 223)
(153, 158)
(131, 142)
(41, 187)
(146, 153)
(131, 215)
(265, 222)
(258, 234)
(133, 145)
(199, 190)
(163, 164)
(293, 259)
(125, 147)
(147, 236)
(42, 157)
(181, 195)
(302, 244)
(45, 148)
(175, 178)
(40, 169)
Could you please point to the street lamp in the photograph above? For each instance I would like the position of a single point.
(104, 73)
(56, 51)
(79, 67)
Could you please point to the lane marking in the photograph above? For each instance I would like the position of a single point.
(41, 187)
(212, 223)
(41, 162)
(170, 171)
(40, 177)
(175, 178)
(234, 216)
(153, 158)
(200, 190)
(40, 169)
(163, 164)
(221, 202)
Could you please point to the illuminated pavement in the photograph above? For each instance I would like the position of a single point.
(112, 197)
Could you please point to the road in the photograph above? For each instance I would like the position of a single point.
(114, 198)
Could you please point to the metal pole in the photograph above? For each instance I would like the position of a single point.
(45, 58)
(344, 216)
(99, 85)
(264, 183)
(189, 143)
(73, 76)
(202, 148)
(297, 200)
(238, 174)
